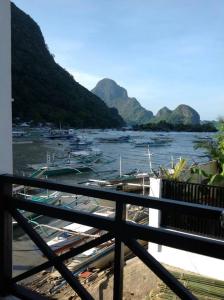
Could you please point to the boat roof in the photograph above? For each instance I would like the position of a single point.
(83, 228)
(104, 214)
(89, 252)
(77, 227)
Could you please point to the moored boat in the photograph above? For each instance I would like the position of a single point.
(73, 234)
(120, 139)
(61, 134)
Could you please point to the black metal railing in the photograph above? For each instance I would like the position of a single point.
(122, 231)
(193, 193)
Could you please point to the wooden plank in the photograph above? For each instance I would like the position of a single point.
(26, 294)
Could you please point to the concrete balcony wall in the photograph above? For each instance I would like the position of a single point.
(200, 264)
(5, 89)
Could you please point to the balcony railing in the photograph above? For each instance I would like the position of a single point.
(193, 193)
(123, 231)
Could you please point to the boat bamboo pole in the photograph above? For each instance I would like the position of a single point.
(73, 232)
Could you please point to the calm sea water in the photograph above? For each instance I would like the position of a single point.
(109, 163)
(25, 253)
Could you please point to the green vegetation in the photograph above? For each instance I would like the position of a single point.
(164, 126)
(215, 150)
(45, 92)
(182, 114)
(176, 172)
(116, 96)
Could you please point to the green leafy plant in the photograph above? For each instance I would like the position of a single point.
(175, 172)
(215, 150)
(210, 179)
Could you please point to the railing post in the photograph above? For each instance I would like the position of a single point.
(119, 253)
(5, 241)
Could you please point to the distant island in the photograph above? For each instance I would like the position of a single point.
(116, 96)
(134, 114)
(165, 126)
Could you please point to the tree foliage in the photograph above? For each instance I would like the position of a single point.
(215, 150)
(165, 126)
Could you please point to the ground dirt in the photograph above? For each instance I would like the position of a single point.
(138, 282)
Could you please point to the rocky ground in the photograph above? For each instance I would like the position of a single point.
(138, 283)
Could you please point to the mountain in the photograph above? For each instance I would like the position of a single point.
(116, 96)
(133, 113)
(163, 114)
(183, 114)
(43, 90)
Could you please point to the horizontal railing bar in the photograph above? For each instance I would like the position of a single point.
(179, 240)
(26, 294)
(126, 198)
(174, 239)
(49, 253)
(162, 236)
(64, 214)
(178, 288)
(76, 251)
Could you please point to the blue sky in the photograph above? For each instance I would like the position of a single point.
(164, 52)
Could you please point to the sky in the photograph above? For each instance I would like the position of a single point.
(164, 52)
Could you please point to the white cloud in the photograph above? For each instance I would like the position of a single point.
(86, 79)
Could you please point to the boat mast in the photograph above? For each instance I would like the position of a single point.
(172, 162)
(120, 166)
(150, 160)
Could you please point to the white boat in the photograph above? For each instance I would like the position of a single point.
(71, 235)
(61, 134)
(80, 144)
(88, 155)
(19, 134)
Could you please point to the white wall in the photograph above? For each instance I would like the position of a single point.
(5, 88)
(155, 214)
(200, 264)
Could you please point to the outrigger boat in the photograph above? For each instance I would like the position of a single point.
(73, 234)
(61, 134)
(162, 139)
(120, 139)
(156, 143)
(86, 156)
(80, 145)
(57, 168)
(45, 198)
